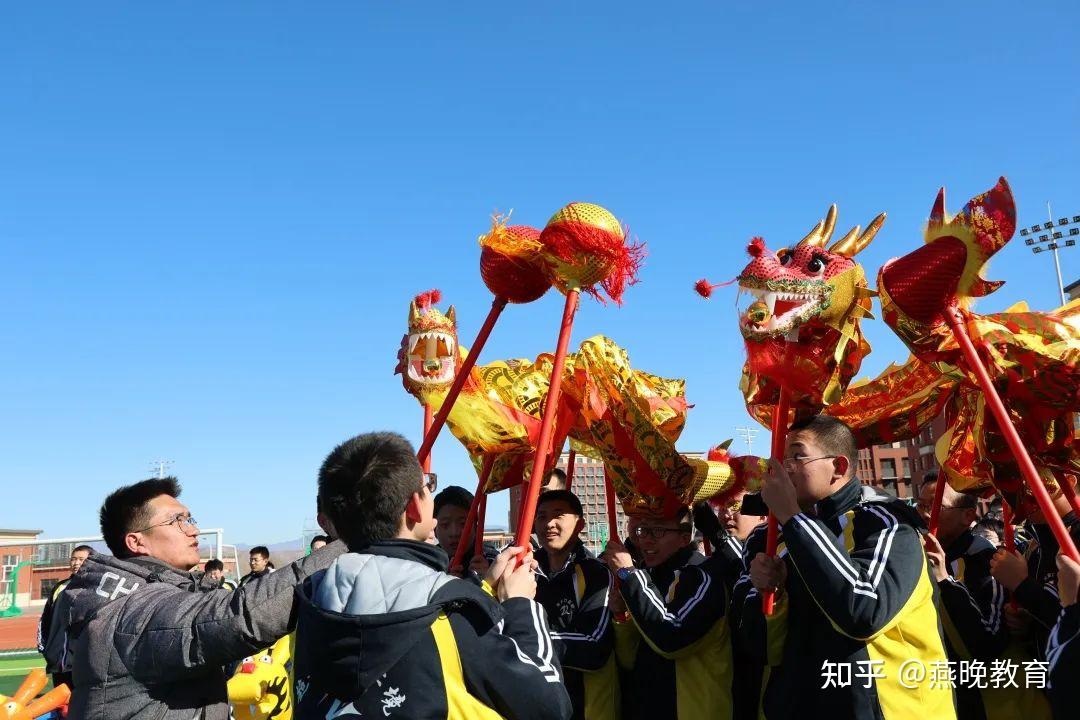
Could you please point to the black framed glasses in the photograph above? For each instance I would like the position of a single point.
(180, 520)
(789, 463)
(431, 482)
(656, 533)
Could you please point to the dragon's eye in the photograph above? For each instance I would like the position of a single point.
(784, 256)
(817, 264)
(266, 659)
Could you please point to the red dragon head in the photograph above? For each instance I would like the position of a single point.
(801, 328)
(428, 358)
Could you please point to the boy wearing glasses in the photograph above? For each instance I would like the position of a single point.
(853, 591)
(972, 601)
(149, 636)
(387, 632)
(574, 588)
(671, 629)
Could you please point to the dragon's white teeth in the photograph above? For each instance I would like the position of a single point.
(770, 301)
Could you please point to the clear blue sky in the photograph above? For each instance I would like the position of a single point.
(212, 217)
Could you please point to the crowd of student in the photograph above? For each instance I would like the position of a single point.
(873, 616)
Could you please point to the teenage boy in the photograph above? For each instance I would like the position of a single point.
(671, 629)
(853, 590)
(386, 632)
(573, 588)
(972, 602)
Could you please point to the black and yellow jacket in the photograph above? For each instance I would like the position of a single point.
(1038, 593)
(575, 597)
(387, 633)
(1063, 658)
(972, 607)
(676, 644)
(858, 590)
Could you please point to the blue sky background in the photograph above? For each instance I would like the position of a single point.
(212, 217)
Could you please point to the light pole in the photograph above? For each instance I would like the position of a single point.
(748, 434)
(1052, 234)
(159, 466)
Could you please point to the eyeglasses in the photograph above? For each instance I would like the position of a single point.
(789, 463)
(431, 481)
(183, 522)
(658, 532)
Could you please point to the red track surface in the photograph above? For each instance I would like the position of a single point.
(19, 632)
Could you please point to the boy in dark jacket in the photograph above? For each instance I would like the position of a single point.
(853, 590)
(386, 632)
(574, 591)
(972, 602)
(1063, 648)
(671, 629)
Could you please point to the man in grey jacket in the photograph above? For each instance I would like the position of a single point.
(148, 637)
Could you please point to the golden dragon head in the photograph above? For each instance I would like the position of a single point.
(801, 326)
(26, 705)
(261, 684)
(428, 358)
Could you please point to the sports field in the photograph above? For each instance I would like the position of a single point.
(13, 669)
(18, 638)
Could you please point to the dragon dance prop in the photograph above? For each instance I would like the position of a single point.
(260, 689)
(802, 332)
(511, 267)
(1008, 383)
(626, 418)
(25, 703)
(585, 248)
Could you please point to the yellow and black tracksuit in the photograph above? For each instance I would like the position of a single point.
(747, 667)
(972, 605)
(1038, 593)
(858, 590)
(51, 642)
(575, 597)
(1063, 657)
(387, 633)
(675, 642)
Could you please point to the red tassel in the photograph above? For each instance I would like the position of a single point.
(756, 246)
(703, 288)
(426, 299)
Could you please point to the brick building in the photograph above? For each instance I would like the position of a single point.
(897, 468)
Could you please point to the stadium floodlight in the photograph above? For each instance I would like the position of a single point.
(1051, 239)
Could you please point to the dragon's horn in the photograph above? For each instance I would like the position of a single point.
(822, 231)
(451, 315)
(414, 314)
(937, 214)
(853, 243)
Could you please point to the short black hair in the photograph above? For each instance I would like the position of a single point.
(125, 510)
(558, 474)
(833, 435)
(565, 496)
(260, 550)
(454, 496)
(317, 538)
(82, 548)
(365, 485)
(213, 564)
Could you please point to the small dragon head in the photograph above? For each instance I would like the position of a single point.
(806, 284)
(428, 357)
(802, 326)
(261, 681)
